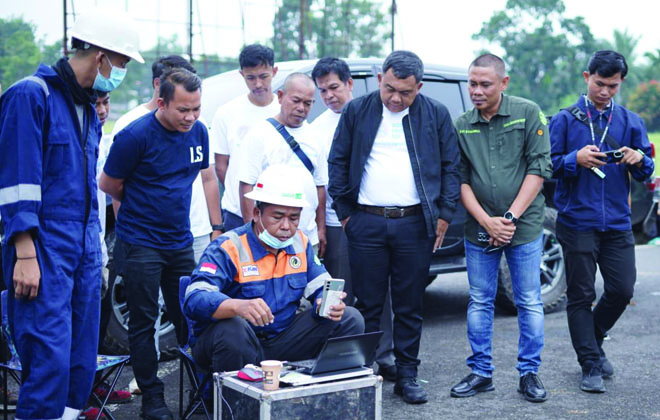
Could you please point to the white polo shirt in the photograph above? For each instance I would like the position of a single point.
(324, 127)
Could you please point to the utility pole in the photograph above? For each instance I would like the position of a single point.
(393, 12)
(190, 30)
(65, 49)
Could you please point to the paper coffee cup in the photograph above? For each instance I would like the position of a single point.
(271, 372)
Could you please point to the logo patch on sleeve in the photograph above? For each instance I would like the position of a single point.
(208, 268)
(250, 270)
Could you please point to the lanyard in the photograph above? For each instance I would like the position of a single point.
(591, 124)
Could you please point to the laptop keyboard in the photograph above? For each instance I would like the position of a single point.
(304, 363)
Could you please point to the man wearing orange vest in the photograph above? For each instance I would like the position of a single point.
(249, 282)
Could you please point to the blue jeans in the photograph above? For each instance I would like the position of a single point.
(524, 264)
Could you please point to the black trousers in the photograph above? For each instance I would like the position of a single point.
(336, 261)
(397, 251)
(230, 344)
(145, 270)
(614, 253)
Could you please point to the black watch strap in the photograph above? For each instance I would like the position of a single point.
(219, 228)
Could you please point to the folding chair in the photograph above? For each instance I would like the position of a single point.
(114, 364)
(199, 383)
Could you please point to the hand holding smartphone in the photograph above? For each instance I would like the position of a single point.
(332, 290)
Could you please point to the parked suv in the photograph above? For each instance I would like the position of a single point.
(445, 84)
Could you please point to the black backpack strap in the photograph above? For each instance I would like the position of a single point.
(584, 119)
(293, 144)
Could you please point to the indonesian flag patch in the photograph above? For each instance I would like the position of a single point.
(208, 268)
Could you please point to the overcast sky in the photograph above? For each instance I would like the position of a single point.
(438, 30)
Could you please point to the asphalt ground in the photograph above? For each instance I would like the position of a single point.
(632, 347)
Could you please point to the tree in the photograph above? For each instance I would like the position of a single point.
(626, 44)
(645, 101)
(545, 51)
(320, 28)
(19, 53)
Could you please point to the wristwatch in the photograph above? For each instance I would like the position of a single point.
(219, 228)
(510, 216)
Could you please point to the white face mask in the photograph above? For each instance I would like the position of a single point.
(272, 241)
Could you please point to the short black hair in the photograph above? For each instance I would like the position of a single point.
(329, 65)
(256, 55)
(490, 60)
(404, 64)
(178, 76)
(169, 62)
(607, 63)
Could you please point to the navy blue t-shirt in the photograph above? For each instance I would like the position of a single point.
(158, 167)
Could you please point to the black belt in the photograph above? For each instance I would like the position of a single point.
(392, 212)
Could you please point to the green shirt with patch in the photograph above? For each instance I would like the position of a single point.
(497, 155)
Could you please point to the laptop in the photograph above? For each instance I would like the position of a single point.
(342, 354)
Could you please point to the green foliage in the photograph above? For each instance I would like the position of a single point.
(545, 51)
(645, 101)
(341, 28)
(19, 53)
(626, 44)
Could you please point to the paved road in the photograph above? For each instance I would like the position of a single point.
(633, 349)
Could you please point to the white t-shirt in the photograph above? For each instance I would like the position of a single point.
(104, 149)
(264, 146)
(324, 127)
(230, 124)
(388, 178)
(200, 223)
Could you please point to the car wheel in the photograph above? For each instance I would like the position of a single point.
(553, 275)
(116, 339)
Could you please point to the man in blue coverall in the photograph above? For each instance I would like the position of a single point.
(49, 136)
(249, 282)
(593, 225)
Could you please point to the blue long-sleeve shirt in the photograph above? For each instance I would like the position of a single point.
(584, 200)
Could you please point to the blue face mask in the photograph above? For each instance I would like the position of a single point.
(107, 85)
(272, 241)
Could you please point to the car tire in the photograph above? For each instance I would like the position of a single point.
(553, 274)
(116, 338)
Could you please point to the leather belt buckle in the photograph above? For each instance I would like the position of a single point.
(394, 212)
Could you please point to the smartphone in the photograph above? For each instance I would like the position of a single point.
(332, 289)
(613, 156)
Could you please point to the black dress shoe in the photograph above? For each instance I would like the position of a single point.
(154, 408)
(472, 384)
(532, 388)
(411, 390)
(387, 372)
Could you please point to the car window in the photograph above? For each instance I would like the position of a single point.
(447, 93)
(359, 89)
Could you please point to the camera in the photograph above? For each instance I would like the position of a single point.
(613, 156)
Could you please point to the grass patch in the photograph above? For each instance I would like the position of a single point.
(655, 139)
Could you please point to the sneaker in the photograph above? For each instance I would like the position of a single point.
(116, 397)
(411, 391)
(154, 408)
(90, 413)
(592, 379)
(605, 365)
(532, 388)
(12, 400)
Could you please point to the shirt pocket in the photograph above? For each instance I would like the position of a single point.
(511, 143)
(254, 290)
(59, 154)
(297, 286)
